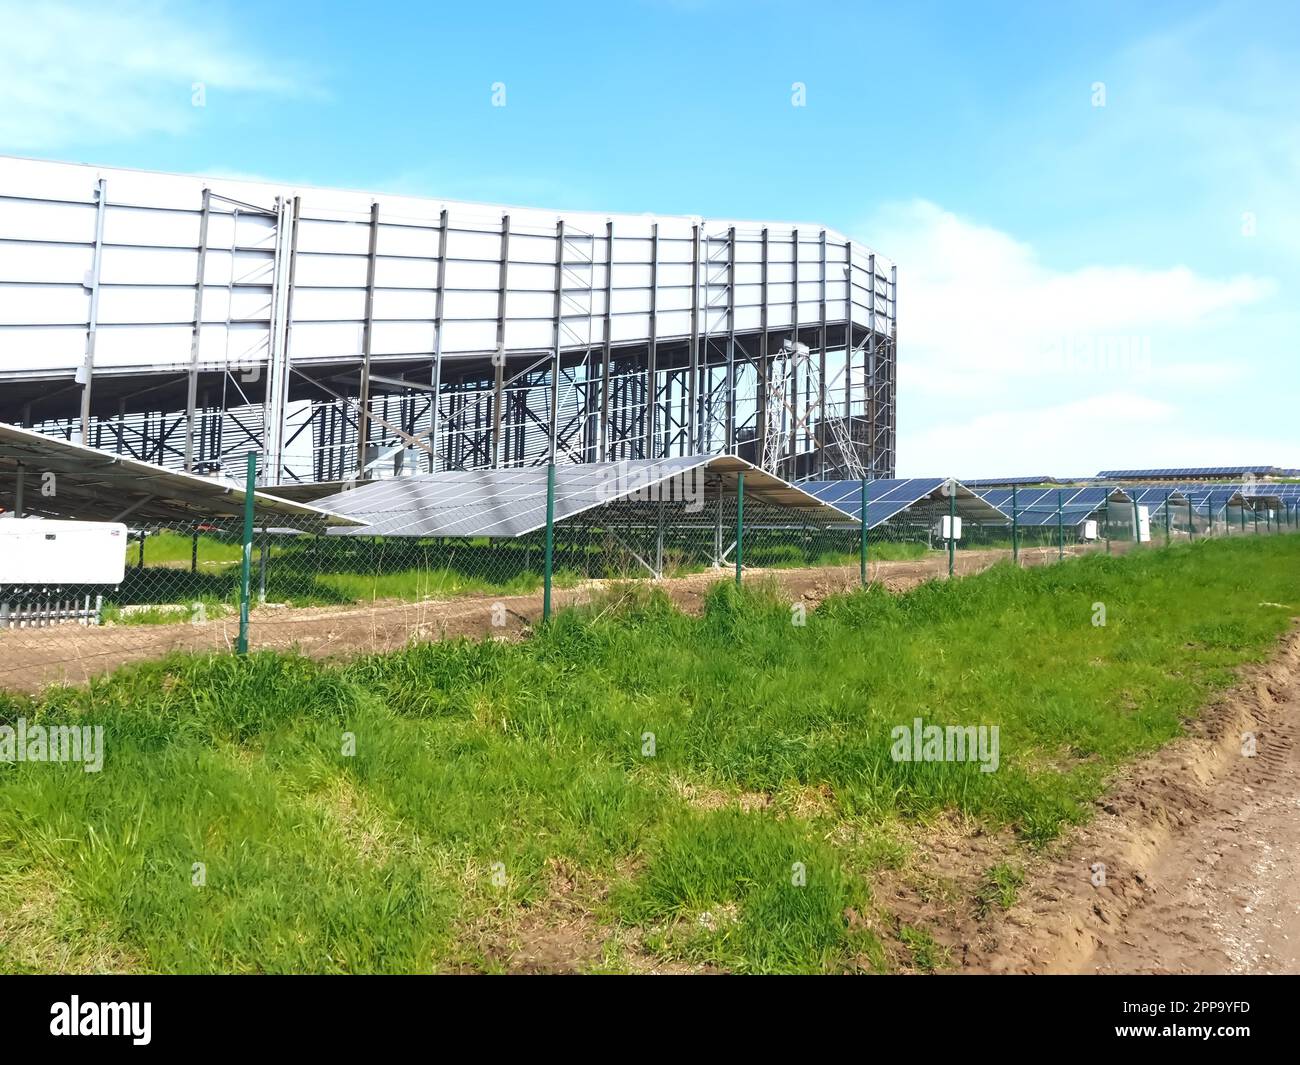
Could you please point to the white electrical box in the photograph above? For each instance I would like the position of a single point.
(1144, 525)
(34, 551)
(1090, 529)
(947, 533)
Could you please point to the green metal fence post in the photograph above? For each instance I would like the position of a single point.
(740, 524)
(1137, 531)
(1166, 519)
(863, 519)
(549, 564)
(246, 566)
(952, 525)
(1015, 530)
(1105, 519)
(1242, 511)
(1060, 526)
(1191, 520)
(1254, 512)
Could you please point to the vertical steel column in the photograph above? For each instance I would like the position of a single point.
(1167, 533)
(276, 401)
(555, 339)
(438, 310)
(367, 335)
(869, 376)
(893, 371)
(764, 362)
(821, 370)
(848, 346)
(694, 401)
(92, 283)
(730, 435)
(291, 287)
(794, 360)
(602, 453)
(499, 356)
(652, 351)
(192, 384)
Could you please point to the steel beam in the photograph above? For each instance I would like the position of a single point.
(603, 449)
(192, 384)
(499, 356)
(555, 354)
(367, 339)
(439, 307)
(92, 283)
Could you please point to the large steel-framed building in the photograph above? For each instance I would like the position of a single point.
(186, 320)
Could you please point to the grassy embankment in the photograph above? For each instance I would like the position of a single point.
(502, 804)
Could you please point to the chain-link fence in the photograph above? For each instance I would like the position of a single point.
(275, 582)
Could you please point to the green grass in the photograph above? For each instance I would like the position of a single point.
(1001, 888)
(484, 772)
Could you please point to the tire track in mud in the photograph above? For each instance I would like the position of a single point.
(1201, 848)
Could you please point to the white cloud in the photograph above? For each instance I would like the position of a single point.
(977, 306)
(82, 73)
(1008, 366)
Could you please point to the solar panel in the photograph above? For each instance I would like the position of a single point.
(97, 484)
(512, 502)
(1048, 506)
(1196, 471)
(889, 497)
(994, 482)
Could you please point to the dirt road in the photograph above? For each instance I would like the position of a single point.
(31, 659)
(1201, 849)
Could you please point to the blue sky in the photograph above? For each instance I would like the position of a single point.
(1081, 286)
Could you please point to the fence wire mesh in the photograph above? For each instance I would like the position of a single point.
(337, 592)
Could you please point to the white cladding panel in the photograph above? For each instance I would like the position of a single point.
(38, 552)
(150, 263)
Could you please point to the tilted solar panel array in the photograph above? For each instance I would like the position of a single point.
(1220, 496)
(1037, 506)
(1198, 471)
(1040, 506)
(496, 503)
(886, 498)
(1006, 482)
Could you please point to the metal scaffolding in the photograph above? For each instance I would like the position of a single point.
(341, 335)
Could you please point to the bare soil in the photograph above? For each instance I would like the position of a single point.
(31, 659)
(1201, 848)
